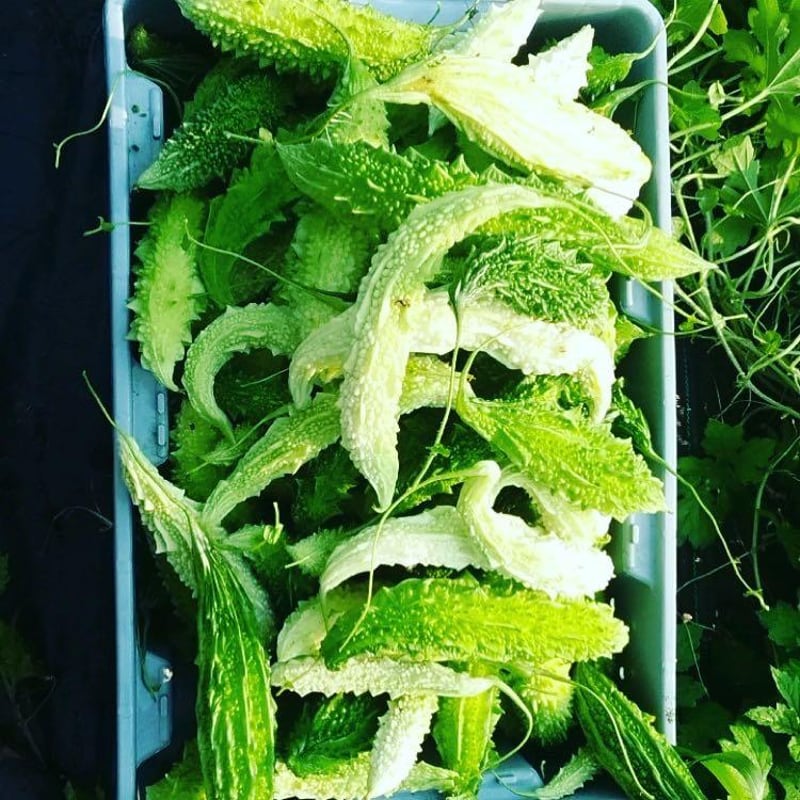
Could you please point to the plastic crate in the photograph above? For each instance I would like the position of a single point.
(643, 547)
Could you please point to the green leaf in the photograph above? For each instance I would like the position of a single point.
(750, 459)
(688, 691)
(741, 45)
(721, 480)
(778, 718)
(688, 641)
(183, 782)
(743, 765)
(735, 155)
(783, 718)
(770, 51)
(694, 524)
(787, 680)
(16, 660)
(744, 196)
(788, 775)
(708, 199)
(690, 109)
(721, 440)
(702, 726)
(689, 16)
(607, 70)
(782, 622)
(727, 236)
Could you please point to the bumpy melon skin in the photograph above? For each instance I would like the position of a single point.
(626, 743)
(311, 37)
(206, 146)
(168, 293)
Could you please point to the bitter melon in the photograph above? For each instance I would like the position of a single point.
(311, 36)
(626, 743)
(209, 144)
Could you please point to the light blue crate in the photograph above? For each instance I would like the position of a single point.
(643, 547)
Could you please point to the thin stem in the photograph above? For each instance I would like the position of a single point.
(757, 513)
(695, 40)
(675, 70)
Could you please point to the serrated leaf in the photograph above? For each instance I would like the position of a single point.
(727, 236)
(16, 660)
(690, 15)
(688, 691)
(688, 640)
(778, 718)
(721, 440)
(794, 747)
(743, 765)
(788, 775)
(701, 727)
(694, 524)
(607, 70)
(690, 109)
(184, 781)
(734, 156)
(782, 622)
(770, 49)
(787, 680)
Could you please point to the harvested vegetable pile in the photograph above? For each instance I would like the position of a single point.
(377, 282)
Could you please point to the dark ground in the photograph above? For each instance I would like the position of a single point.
(55, 448)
